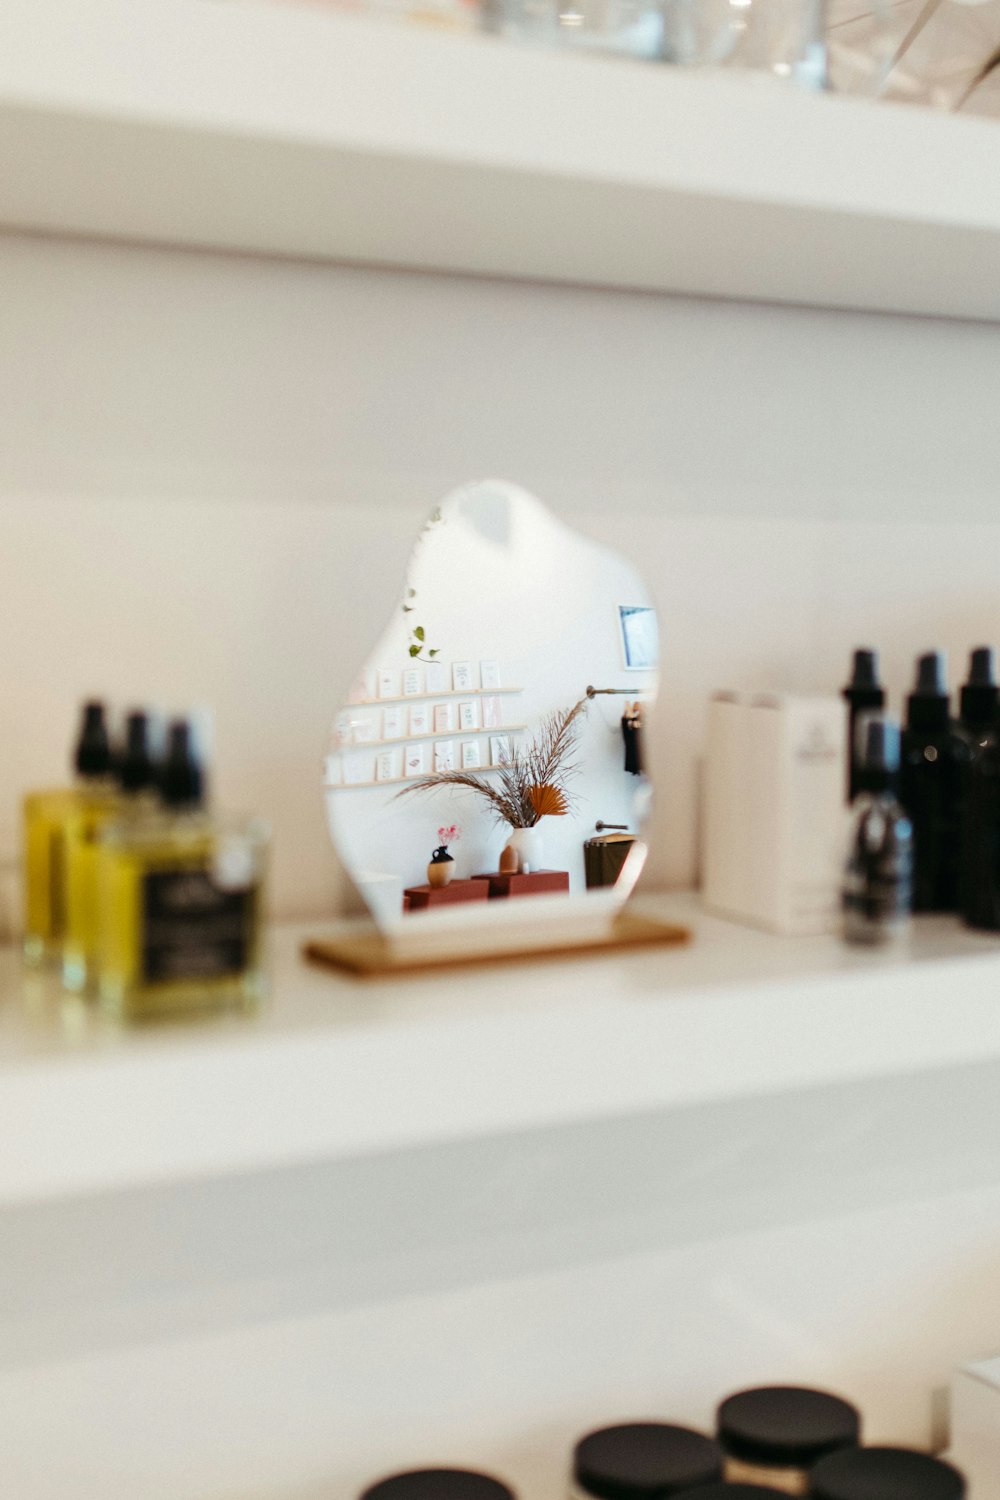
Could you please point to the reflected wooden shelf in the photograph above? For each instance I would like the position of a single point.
(478, 692)
(442, 734)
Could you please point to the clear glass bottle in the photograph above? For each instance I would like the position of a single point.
(135, 785)
(180, 901)
(47, 816)
(877, 893)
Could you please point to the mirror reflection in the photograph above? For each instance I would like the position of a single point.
(491, 745)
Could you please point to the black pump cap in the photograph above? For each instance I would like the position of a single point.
(885, 1474)
(180, 775)
(786, 1425)
(136, 771)
(645, 1461)
(878, 752)
(980, 695)
(439, 1484)
(864, 673)
(927, 705)
(864, 689)
(93, 748)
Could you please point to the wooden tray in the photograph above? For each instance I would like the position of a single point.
(367, 954)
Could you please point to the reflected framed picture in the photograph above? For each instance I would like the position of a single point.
(389, 765)
(444, 755)
(500, 749)
(470, 755)
(388, 682)
(394, 723)
(492, 712)
(416, 761)
(444, 718)
(489, 676)
(468, 715)
(640, 637)
(436, 677)
(413, 681)
(420, 719)
(461, 676)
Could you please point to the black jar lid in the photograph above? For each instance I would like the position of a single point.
(735, 1491)
(885, 1474)
(644, 1460)
(439, 1484)
(786, 1425)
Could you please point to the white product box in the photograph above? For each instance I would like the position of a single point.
(774, 821)
(974, 1445)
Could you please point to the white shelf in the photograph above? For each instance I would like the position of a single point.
(337, 1069)
(286, 132)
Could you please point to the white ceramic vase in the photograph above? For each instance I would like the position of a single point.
(527, 844)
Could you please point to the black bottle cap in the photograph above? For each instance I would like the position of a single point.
(980, 695)
(734, 1491)
(927, 705)
(644, 1461)
(864, 672)
(180, 774)
(864, 689)
(439, 1484)
(878, 752)
(786, 1425)
(93, 748)
(885, 1474)
(136, 771)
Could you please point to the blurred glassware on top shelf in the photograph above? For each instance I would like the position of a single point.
(628, 28)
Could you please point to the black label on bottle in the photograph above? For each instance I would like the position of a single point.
(192, 929)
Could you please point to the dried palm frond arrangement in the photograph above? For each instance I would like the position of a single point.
(532, 783)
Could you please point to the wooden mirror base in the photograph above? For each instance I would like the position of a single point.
(367, 953)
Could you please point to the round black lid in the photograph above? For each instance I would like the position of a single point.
(640, 1460)
(786, 1425)
(93, 748)
(885, 1474)
(732, 1492)
(439, 1484)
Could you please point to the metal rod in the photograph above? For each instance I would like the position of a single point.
(593, 692)
(600, 826)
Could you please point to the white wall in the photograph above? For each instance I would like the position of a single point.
(212, 471)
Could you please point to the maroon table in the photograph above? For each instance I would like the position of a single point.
(538, 883)
(420, 897)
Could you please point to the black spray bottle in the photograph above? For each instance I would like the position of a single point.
(878, 879)
(979, 696)
(864, 695)
(935, 756)
(980, 873)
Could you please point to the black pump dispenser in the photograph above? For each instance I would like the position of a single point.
(136, 772)
(880, 752)
(863, 694)
(181, 776)
(927, 705)
(92, 757)
(980, 695)
(935, 755)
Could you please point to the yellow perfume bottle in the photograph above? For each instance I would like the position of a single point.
(46, 818)
(180, 902)
(135, 781)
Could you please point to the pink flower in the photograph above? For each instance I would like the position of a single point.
(450, 835)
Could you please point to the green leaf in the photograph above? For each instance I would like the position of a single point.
(432, 653)
(414, 650)
(411, 593)
(418, 631)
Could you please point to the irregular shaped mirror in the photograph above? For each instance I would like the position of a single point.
(491, 747)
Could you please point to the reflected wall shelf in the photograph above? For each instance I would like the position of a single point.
(475, 692)
(283, 131)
